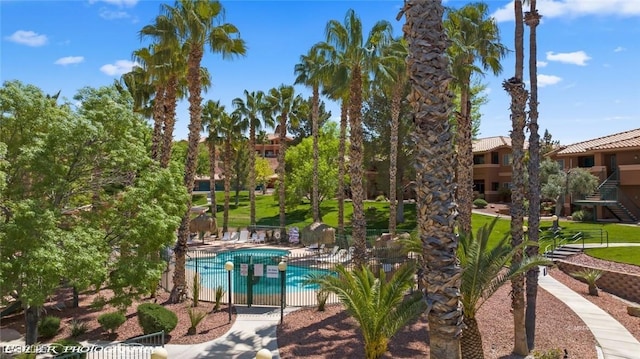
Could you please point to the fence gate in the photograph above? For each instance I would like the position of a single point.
(256, 279)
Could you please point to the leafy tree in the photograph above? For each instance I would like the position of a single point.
(263, 173)
(379, 305)
(300, 161)
(81, 188)
(547, 143)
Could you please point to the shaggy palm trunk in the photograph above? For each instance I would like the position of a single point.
(515, 88)
(212, 173)
(252, 173)
(471, 341)
(158, 121)
(532, 19)
(358, 223)
(341, 167)
(465, 162)
(396, 102)
(169, 121)
(179, 290)
(227, 184)
(431, 102)
(315, 203)
(281, 172)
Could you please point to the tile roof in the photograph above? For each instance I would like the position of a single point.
(491, 143)
(620, 140)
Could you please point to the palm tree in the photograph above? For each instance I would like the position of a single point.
(475, 37)
(283, 104)
(391, 74)
(310, 72)
(353, 57)
(515, 88)
(211, 116)
(251, 108)
(431, 103)
(230, 130)
(532, 19)
(196, 24)
(483, 273)
(380, 306)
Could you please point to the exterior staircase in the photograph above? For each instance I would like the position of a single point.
(562, 252)
(607, 193)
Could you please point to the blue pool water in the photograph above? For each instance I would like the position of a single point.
(213, 274)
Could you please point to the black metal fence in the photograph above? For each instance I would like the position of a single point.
(269, 275)
(140, 347)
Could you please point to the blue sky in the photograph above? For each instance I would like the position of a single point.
(588, 53)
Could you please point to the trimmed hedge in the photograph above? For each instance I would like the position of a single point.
(111, 321)
(155, 318)
(48, 326)
(480, 203)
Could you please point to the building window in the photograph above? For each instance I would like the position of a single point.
(495, 186)
(478, 159)
(586, 161)
(507, 159)
(506, 185)
(478, 186)
(561, 163)
(495, 158)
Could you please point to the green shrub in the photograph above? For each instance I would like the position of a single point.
(78, 327)
(98, 303)
(381, 198)
(25, 356)
(62, 347)
(48, 326)
(155, 318)
(195, 316)
(549, 354)
(480, 203)
(110, 322)
(218, 299)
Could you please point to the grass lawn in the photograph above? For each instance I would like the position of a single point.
(630, 255)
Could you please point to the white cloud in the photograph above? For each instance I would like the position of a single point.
(119, 3)
(579, 58)
(28, 38)
(574, 8)
(113, 15)
(119, 68)
(542, 63)
(69, 60)
(546, 80)
(619, 49)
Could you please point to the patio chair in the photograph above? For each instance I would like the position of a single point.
(254, 237)
(332, 256)
(244, 236)
(261, 237)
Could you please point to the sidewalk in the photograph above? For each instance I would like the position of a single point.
(614, 339)
(254, 329)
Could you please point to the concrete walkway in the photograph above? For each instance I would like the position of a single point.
(254, 329)
(614, 339)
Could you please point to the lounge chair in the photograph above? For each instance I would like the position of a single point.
(244, 236)
(333, 256)
(316, 248)
(254, 237)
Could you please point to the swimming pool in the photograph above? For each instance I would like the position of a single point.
(213, 274)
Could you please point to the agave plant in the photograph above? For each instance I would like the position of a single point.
(590, 276)
(195, 317)
(218, 298)
(381, 306)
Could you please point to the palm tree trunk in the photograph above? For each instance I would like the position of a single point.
(252, 173)
(212, 173)
(316, 154)
(515, 88)
(158, 121)
(431, 102)
(358, 223)
(465, 162)
(532, 19)
(227, 184)
(179, 290)
(341, 166)
(396, 102)
(471, 341)
(169, 121)
(281, 174)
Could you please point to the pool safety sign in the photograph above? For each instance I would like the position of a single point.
(272, 271)
(244, 269)
(258, 270)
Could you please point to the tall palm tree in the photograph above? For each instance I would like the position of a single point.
(212, 113)
(391, 74)
(283, 104)
(197, 24)
(532, 19)
(353, 59)
(310, 72)
(431, 102)
(516, 90)
(230, 130)
(475, 37)
(380, 306)
(252, 107)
